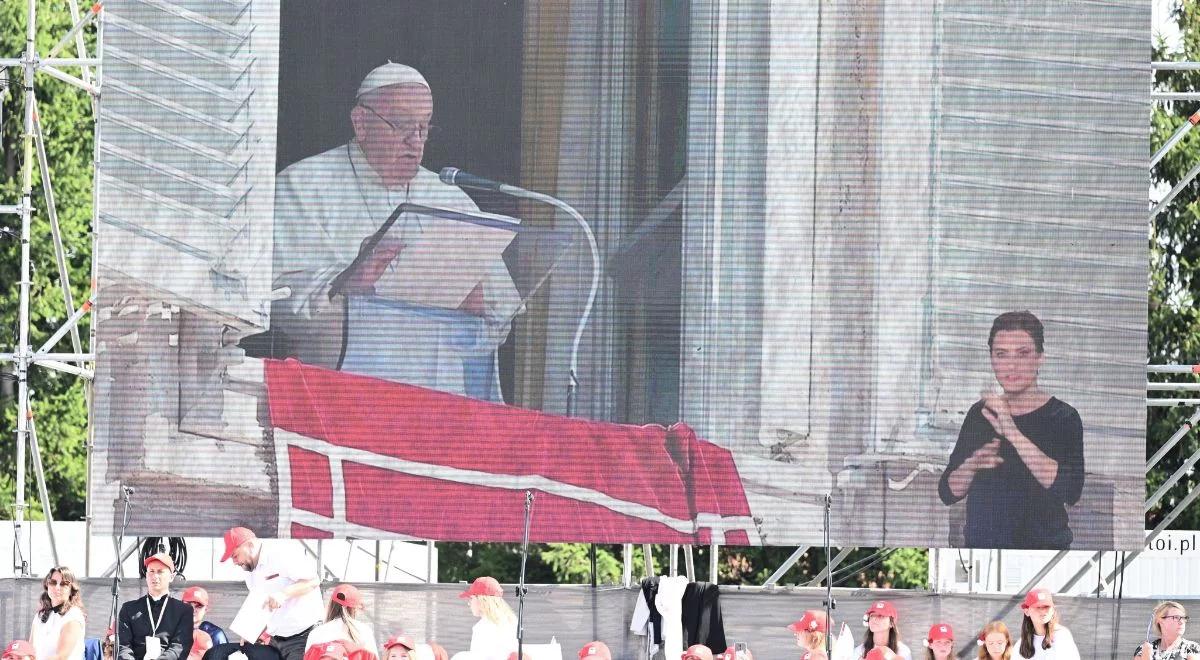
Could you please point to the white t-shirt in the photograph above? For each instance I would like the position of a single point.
(335, 631)
(860, 651)
(280, 565)
(493, 642)
(45, 635)
(1063, 649)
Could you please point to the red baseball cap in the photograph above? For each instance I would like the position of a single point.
(162, 558)
(940, 631)
(235, 537)
(195, 595)
(1037, 596)
(880, 653)
(405, 641)
(881, 608)
(483, 586)
(19, 648)
(811, 621)
(596, 651)
(330, 650)
(201, 641)
(697, 652)
(347, 595)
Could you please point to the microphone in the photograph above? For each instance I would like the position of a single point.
(128, 490)
(452, 176)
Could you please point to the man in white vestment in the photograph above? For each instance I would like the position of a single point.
(327, 205)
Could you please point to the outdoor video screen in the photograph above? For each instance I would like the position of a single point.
(681, 269)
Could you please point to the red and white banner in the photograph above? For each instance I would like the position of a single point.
(358, 456)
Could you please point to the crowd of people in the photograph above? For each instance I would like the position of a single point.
(301, 626)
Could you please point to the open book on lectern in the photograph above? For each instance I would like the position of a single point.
(446, 253)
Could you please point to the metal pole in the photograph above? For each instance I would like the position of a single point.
(21, 566)
(429, 562)
(1183, 183)
(89, 388)
(60, 258)
(627, 565)
(1175, 138)
(785, 566)
(40, 474)
(714, 562)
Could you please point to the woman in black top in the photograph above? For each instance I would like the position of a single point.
(1019, 456)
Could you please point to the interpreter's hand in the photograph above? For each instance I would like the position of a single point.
(1147, 651)
(987, 456)
(273, 602)
(363, 280)
(996, 412)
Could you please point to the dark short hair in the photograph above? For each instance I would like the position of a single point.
(1022, 320)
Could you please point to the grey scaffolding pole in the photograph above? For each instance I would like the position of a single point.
(24, 356)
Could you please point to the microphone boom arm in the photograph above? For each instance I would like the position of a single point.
(454, 176)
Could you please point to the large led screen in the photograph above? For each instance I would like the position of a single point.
(746, 255)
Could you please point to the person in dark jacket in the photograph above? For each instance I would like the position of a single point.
(155, 626)
(1019, 456)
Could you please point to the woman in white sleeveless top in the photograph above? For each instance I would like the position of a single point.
(57, 632)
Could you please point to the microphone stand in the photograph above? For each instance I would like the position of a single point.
(119, 540)
(572, 377)
(456, 177)
(521, 578)
(829, 604)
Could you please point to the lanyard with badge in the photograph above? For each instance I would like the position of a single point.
(153, 643)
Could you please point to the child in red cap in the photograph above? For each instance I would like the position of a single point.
(882, 620)
(810, 630)
(939, 643)
(1042, 636)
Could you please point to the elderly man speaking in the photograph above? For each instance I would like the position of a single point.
(328, 205)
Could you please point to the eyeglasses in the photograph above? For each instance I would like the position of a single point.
(1177, 618)
(421, 130)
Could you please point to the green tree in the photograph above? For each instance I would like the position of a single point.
(58, 399)
(1174, 326)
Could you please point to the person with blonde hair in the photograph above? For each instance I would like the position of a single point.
(494, 635)
(1042, 636)
(810, 630)
(57, 632)
(342, 623)
(1169, 623)
(995, 642)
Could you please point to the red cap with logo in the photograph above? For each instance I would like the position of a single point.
(939, 631)
(483, 586)
(880, 653)
(595, 651)
(196, 595)
(697, 652)
(234, 538)
(881, 608)
(812, 621)
(1037, 596)
(162, 558)
(346, 595)
(404, 641)
(19, 648)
